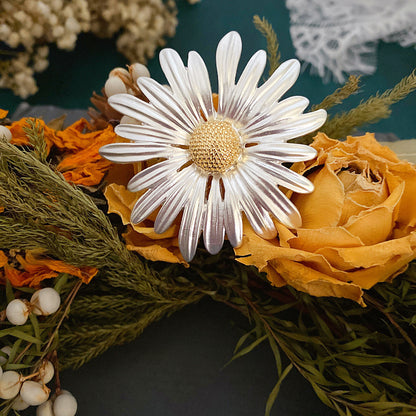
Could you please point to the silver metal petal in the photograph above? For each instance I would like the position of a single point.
(162, 99)
(200, 83)
(140, 110)
(149, 202)
(214, 219)
(232, 216)
(242, 95)
(227, 58)
(140, 133)
(135, 152)
(177, 76)
(155, 174)
(257, 216)
(176, 200)
(282, 152)
(289, 107)
(273, 89)
(272, 199)
(266, 130)
(284, 176)
(192, 219)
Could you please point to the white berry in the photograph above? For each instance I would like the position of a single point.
(10, 383)
(114, 85)
(7, 350)
(34, 393)
(5, 133)
(65, 405)
(46, 372)
(17, 312)
(45, 301)
(45, 409)
(19, 404)
(139, 70)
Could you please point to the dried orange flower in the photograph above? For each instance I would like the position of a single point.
(77, 145)
(359, 225)
(35, 267)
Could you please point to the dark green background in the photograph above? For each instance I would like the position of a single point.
(176, 367)
(72, 76)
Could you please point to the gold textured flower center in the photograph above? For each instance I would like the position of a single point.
(215, 146)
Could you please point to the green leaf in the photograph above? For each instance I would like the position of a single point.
(276, 388)
(19, 333)
(9, 291)
(247, 349)
(36, 330)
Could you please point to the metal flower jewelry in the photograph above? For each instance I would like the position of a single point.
(217, 162)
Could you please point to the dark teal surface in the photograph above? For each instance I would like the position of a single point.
(72, 76)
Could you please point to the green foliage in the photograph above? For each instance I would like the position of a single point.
(266, 29)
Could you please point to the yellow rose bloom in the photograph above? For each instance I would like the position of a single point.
(358, 225)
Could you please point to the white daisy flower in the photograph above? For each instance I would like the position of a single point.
(217, 162)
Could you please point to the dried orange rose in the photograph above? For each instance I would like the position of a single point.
(77, 147)
(3, 113)
(35, 267)
(359, 225)
(142, 237)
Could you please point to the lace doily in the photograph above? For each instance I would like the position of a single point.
(339, 37)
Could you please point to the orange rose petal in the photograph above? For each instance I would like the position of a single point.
(311, 206)
(314, 239)
(308, 280)
(120, 201)
(3, 259)
(3, 113)
(19, 136)
(160, 250)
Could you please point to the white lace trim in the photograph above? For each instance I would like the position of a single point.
(339, 37)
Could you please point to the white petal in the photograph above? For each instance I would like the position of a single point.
(148, 202)
(177, 76)
(192, 219)
(140, 110)
(241, 98)
(155, 174)
(135, 152)
(250, 203)
(227, 58)
(282, 152)
(289, 107)
(162, 99)
(176, 200)
(280, 81)
(214, 219)
(284, 176)
(232, 217)
(149, 134)
(272, 199)
(199, 79)
(266, 130)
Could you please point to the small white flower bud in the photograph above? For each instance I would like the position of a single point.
(45, 301)
(10, 383)
(114, 85)
(5, 133)
(119, 72)
(19, 404)
(46, 372)
(7, 350)
(34, 393)
(17, 312)
(45, 409)
(129, 120)
(65, 405)
(139, 70)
